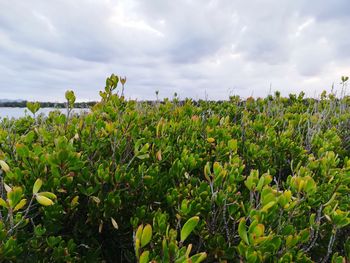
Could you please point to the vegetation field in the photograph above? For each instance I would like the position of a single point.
(255, 180)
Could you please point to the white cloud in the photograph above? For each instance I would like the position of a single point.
(192, 47)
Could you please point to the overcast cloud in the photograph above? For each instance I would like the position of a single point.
(195, 48)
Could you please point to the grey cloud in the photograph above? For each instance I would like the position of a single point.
(326, 10)
(192, 47)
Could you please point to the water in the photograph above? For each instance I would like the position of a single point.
(7, 112)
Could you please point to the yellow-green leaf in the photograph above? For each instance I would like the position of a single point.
(146, 235)
(20, 205)
(3, 203)
(301, 185)
(143, 156)
(331, 199)
(288, 194)
(139, 232)
(207, 172)
(188, 227)
(232, 145)
(48, 195)
(188, 250)
(260, 183)
(210, 140)
(14, 196)
(137, 247)
(268, 179)
(268, 206)
(252, 257)
(217, 168)
(22, 150)
(144, 257)
(37, 185)
(43, 200)
(198, 257)
(291, 241)
(123, 80)
(259, 230)
(74, 201)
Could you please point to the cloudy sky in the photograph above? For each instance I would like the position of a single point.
(197, 48)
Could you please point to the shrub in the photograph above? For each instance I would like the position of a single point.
(261, 180)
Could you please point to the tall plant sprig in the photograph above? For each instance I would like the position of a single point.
(33, 107)
(70, 97)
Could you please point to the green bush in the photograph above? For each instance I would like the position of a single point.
(256, 180)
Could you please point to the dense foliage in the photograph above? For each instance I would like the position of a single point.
(260, 180)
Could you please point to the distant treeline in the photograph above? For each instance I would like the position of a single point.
(288, 101)
(22, 104)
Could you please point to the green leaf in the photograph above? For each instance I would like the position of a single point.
(14, 196)
(331, 199)
(268, 179)
(242, 231)
(22, 150)
(304, 235)
(232, 145)
(312, 220)
(310, 186)
(138, 233)
(252, 257)
(198, 257)
(252, 180)
(37, 185)
(259, 230)
(143, 156)
(291, 241)
(146, 235)
(217, 168)
(267, 196)
(165, 251)
(260, 183)
(144, 257)
(188, 227)
(52, 241)
(70, 97)
(337, 259)
(33, 107)
(144, 148)
(39, 230)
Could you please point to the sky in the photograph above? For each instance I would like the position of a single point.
(196, 48)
